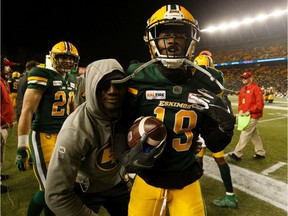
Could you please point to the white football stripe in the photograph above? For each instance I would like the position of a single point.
(152, 142)
(141, 125)
(141, 130)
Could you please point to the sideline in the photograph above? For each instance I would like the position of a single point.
(273, 119)
(267, 106)
(260, 186)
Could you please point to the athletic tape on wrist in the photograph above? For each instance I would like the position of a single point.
(23, 141)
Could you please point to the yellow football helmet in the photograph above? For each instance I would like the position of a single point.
(178, 19)
(64, 48)
(16, 74)
(204, 60)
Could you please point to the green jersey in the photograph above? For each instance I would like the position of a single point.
(152, 94)
(54, 106)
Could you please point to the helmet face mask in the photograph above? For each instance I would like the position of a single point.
(65, 57)
(176, 23)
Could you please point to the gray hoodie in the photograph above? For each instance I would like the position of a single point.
(83, 151)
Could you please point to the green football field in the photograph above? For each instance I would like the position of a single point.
(260, 185)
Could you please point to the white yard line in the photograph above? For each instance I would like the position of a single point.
(273, 168)
(283, 102)
(273, 119)
(260, 186)
(275, 107)
(267, 106)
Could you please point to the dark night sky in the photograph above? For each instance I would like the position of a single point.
(112, 29)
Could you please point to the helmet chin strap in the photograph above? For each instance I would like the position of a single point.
(135, 72)
(142, 67)
(172, 63)
(188, 62)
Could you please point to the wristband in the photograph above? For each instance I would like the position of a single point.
(23, 141)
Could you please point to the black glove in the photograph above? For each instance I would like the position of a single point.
(138, 158)
(216, 107)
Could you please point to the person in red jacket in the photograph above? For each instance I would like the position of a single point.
(250, 102)
(7, 114)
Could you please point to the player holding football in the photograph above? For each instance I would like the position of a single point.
(170, 88)
(50, 97)
(229, 200)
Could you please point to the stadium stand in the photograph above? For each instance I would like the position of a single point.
(267, 74)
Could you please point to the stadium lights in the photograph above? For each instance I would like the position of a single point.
(261, 17)
(248, 20)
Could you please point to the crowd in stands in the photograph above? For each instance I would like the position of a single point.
(267, 76)
(273, 74)
(259, 50)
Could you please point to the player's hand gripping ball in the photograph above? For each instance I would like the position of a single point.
(155, 129)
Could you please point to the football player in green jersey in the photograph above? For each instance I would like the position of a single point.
(50, 98)
(229, 200)
(175, 90)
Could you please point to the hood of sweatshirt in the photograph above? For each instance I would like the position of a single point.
(94, 73)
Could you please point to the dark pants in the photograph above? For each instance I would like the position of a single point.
(114, 200)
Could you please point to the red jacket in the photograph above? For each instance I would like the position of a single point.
(7, 110)
(251, 99)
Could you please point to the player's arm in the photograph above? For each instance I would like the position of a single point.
(31, 101)
(72, 106)
(219, 119)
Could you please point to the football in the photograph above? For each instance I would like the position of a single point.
(154, 128)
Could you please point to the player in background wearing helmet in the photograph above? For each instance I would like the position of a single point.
(13, 83)
(50, 97)
(170, 88)
(229, 200)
